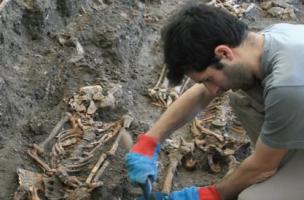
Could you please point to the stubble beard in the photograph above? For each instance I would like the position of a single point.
(239, 76)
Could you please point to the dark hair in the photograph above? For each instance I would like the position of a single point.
(190, 37)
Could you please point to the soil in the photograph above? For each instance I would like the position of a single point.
(120, 39)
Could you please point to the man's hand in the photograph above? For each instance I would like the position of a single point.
(141, 161)
(189, 193)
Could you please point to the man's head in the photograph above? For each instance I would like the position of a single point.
(234, 76)
(198, 38)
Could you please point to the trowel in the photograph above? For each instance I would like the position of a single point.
(146, 189)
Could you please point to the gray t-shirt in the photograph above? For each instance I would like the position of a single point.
(283, 70)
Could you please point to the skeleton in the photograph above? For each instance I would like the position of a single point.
(162, 95)
(67, 155)
(217, 132)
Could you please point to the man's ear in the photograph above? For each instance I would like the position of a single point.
(224, 52)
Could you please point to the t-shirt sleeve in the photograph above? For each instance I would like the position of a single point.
(284, 118)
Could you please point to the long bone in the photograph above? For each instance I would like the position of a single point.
(41, 147)
(174, 158)
(97, 169)
(180, 149)
(161, 77)
(33, 154)
(55, 130)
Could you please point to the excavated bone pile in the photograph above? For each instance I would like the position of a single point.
(77, 151)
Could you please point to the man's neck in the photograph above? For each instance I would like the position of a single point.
(251, 51)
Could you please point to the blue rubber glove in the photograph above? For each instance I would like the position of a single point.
(189, 193)
(141, 161)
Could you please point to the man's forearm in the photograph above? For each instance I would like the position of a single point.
(181, 111)
(258, 167)
(246, 174)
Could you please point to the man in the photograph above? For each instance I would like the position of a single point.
(265, 74)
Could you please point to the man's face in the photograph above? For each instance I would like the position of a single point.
(234, 76)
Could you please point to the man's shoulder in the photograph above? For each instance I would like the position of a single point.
(280, 26)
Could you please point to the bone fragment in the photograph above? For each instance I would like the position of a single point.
(97, 171)
(107, 137)
(101, 170)
(3, 4)
(55, 130)
(209, 132)
(34, 156)
(92, 108)
(174, 158)
(30, 182)
(126, 140)
(123, 133)
(214, 167)
(161, 77)
(183, 87)
(232, 164)
(63, 175)
(162, 95)
(96, 167)
(79, 52)
(53, 188)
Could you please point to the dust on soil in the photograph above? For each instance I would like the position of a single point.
(120, 42)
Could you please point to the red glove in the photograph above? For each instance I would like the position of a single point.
(208, 193)
(141, 161)
(189, 193)
(145, 145)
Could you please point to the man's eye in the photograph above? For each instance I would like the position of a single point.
(208, 79)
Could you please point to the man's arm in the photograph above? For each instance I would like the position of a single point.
(181, 111)
(258, 167)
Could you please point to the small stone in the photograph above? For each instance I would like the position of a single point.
(92, 108)
(276, 11)
(266, 5)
